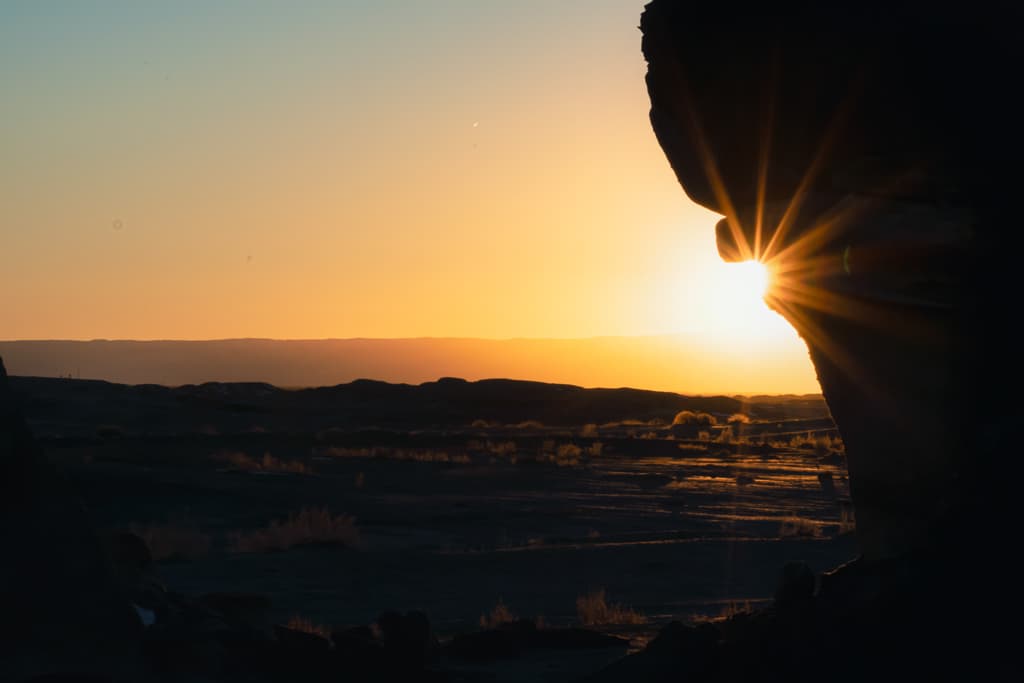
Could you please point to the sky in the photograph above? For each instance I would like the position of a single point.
(378, 169)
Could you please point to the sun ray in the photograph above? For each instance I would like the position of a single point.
(796, 202)
(816, 338)
(764, 151)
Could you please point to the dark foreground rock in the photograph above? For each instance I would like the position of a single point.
(64, 610)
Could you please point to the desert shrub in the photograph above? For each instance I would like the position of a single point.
(589, 431)
(503, 448)
(798, 527)
(308, 526)
(528, 424)
(738, 418)
(568, 450)
(692, 448)
(568, 455)
(595, 449)
(297, 623)
(267, 463)
(594, 610)
(501, 614)
(173, 541)
(689, 417)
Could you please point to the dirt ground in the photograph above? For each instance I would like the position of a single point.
(452, 524)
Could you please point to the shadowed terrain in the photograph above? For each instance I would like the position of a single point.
(327, 508)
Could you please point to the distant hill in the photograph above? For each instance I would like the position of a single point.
(71, 407)
(666, 363)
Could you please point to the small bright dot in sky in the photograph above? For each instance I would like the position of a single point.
(476, 123)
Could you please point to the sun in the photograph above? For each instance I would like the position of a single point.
(730, 308)
(749, 278)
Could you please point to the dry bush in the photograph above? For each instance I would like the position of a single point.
(594, 610)
(738, 418)
(501, 614)
(798, 527)
(267, 463)
(725, 435)
(562, 455)
(308, 526)
(528, 424)
(504, 448)
(568, 451)
(173, 541)
(589, 431)
(692, 448)
(688, 417)
(595, 449)
(297, 623)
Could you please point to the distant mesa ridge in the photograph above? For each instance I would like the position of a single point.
(58, 406)
(667, 363)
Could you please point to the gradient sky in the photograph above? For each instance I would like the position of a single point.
(203, 170)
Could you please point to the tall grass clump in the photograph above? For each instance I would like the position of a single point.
(593, 610)
(308, 526)
(501, 614)
(297, 623)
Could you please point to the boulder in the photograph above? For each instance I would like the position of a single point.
(868, 153)
(845, 146)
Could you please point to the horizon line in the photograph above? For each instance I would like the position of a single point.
(308, 339)
(433, 381)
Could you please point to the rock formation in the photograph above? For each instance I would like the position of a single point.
(867, 154)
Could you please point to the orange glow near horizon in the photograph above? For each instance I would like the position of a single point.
(303, 174)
